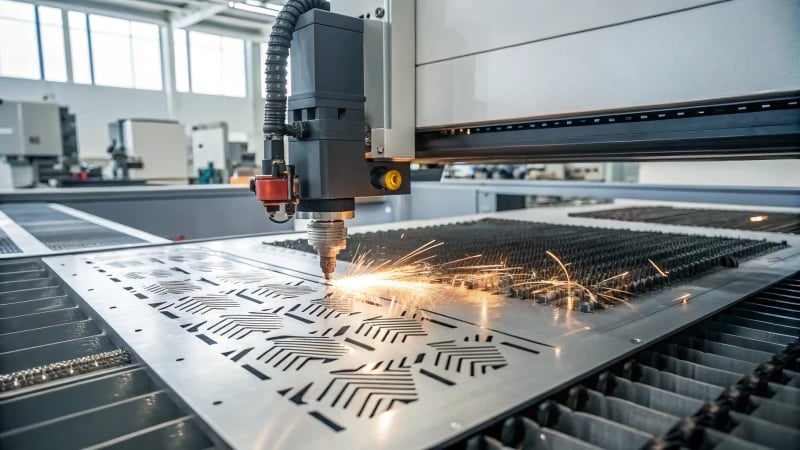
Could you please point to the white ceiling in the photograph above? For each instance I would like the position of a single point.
(245, 18)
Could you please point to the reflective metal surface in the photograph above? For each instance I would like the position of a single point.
(34, 229)
(254, 342)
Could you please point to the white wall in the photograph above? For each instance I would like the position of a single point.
(96, 106)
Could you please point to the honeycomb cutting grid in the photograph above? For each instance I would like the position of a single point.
(7, 245)
(591, 254)
(61, 231)
(715, 218)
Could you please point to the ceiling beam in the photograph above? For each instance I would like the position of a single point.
(194, 15)
(105, 8)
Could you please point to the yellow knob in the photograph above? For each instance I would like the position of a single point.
(392, 180)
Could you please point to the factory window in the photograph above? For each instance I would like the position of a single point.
(216, 65)
(124, 53)
(31, 42)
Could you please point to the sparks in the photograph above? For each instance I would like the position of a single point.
(416, 281)
(758, 218)
(660, 271)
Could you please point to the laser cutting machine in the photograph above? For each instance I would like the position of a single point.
(662, 325)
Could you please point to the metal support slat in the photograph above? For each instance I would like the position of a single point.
(739, 341)
(35, 306)
(654, 398)
(22, 275)
(755, 324)
(41, 320)
(629, 413)
(678, 384)
(178, 434)
(762, 432)
(719, 440)
(752, 306)
(750, 333)
(766, 317)
(96, 425)
(706, 359)
(53, 403)
(599, 431)
(47, 354)
(781, 413)
(731, 351)
(18, 285)
(47, 335)
(30, 294)
(688, 369)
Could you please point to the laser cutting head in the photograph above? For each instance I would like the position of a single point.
(330, 139)
(328, 235)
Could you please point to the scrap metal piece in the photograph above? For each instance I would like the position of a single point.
(62, 369)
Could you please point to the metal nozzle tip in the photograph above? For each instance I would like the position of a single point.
(328, 276)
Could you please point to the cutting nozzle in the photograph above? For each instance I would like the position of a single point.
(328, 237)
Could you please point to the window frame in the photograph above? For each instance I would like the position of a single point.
(42, 73)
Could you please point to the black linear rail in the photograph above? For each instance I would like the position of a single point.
(730, 381)
(724, 129)
(714, 218)
(593, 254)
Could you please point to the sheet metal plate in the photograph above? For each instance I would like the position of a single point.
(247, 336)
(36, 229)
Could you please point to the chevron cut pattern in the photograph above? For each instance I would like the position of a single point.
(371, 389)
(158, 273)
(237, 326)
(243, 277)
(172, 287)
(189, 255)
(472, 358)
(212, 265)
(282, 291)
(202, 304)
(294, 352)
(315, 309)
(338, 304)
(389, 329)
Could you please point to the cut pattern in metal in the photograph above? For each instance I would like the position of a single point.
(347, 368)
(294, 352)
(238, 326)
(775, 222)
(7, 246)
(61, 231)
(474, 359)
(730, 381)
(337, 357)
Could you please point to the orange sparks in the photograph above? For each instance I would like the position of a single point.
(684, 298)
(416, 282)
(655, 266)
(758, 218)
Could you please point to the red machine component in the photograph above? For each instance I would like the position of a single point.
(279, 191)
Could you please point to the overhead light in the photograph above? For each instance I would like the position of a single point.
(254, 9)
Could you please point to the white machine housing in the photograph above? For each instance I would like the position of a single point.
(161, 146)
(210, 145)
(29, 129)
